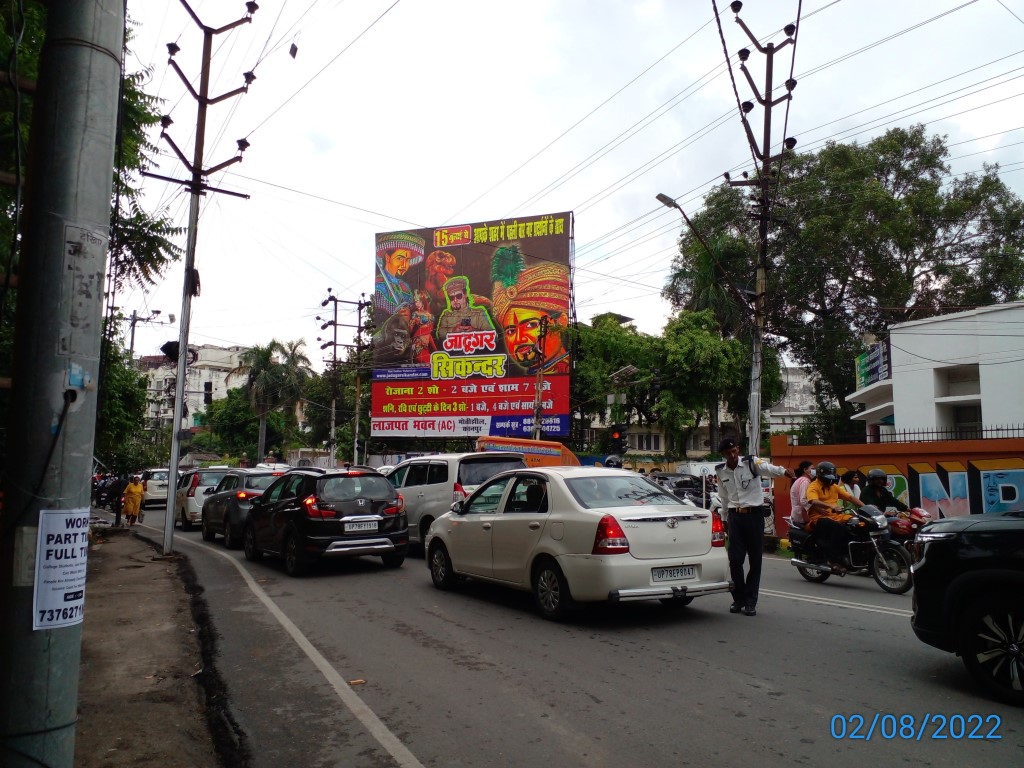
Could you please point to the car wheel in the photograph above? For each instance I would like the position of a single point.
(676, 602)
(551, 590)
(812, 575)
(441, 571)
(208, 533)
(186, 524)
(891, 570)
(252, 552)
(991, 643)
(393, 559)
(293, 565)
(230, 537)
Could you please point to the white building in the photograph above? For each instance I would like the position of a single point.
(955, 374)
(208, 374)
(797, 402)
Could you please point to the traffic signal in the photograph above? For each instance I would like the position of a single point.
(618, 439)
(207, 392)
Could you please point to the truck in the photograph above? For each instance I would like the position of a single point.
(536, 453)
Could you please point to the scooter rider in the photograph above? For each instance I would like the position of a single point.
(878, 494)
(825, 519)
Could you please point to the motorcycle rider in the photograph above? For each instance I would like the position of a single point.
(798, 492)
(878, 494)
(825, 519)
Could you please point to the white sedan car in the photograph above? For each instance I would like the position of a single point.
(580, 534)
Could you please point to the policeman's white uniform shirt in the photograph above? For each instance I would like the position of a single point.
(739, 487)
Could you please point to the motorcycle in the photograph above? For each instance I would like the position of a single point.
(903, 526)
(871, 552)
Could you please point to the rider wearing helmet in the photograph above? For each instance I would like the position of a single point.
(824, 516)
(613, 461)
(878, 494)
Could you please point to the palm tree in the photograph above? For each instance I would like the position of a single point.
(262, 384)
(275, 375)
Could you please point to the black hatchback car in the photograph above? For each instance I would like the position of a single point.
(309, 514)
(226, 507)
(969, 596)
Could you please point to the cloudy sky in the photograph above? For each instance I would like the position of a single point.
(402, 113)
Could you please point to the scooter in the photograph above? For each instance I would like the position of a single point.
(871, 552)
(903, 526)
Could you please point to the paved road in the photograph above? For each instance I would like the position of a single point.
(356, 665)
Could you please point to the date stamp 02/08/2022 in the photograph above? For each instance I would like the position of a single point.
(907, 727)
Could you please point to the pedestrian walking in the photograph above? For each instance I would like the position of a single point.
(739, 488)
(132, 500)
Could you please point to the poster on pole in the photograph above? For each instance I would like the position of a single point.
(472, 324)
(62, 549)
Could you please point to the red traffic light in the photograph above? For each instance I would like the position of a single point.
(616, 435)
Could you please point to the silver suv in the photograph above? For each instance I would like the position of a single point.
(189, 494)
(430, 484)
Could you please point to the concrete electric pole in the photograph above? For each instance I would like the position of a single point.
(197, 187)
(44, 522)
(766, 181)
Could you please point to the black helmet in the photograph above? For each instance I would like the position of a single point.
(613, 461)
(876, 472)
(826, 471)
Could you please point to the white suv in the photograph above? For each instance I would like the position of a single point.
(154, 486)
(189, 496)
(431, 484)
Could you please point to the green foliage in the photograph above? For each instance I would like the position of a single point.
(875, 234)
(121, 441)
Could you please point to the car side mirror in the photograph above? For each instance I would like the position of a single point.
(457, 507)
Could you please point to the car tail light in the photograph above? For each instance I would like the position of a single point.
(717, 530)
(242, 495)
(145, 485)
(458, 492)
(313, 510)
(397, 508)
(610, 538)
(195, 484)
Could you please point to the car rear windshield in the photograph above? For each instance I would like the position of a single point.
(261, 482)
(159, 476)
(478, 471)
(210, 478)
(349, 488)
(618, 491)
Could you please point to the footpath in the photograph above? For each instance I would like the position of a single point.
(148, 692)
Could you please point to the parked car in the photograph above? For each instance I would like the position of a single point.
(429, 484)
(226, 507)
(189, 494)
(580, 534)
(309, 514)
(969, 596)
(154, 486)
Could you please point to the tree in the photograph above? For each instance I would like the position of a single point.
(272, 383)
(121, 409)
(874, 235)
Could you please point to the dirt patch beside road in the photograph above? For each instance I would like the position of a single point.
(149, 694)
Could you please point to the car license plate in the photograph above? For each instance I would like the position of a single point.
(674, 574)
(361, 525)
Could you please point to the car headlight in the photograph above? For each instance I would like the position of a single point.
(924, 536)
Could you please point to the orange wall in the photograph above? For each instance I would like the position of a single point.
(951, 477)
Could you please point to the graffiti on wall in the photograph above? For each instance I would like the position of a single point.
(955, 489)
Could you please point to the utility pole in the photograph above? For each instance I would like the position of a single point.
(766, 180)
(197, 187)
(134, 320)
(358, 346)
(538, 386)
(46, 477)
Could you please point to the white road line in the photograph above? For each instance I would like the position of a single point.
(349, 698)
(838, 603)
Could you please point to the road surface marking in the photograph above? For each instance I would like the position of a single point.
(838, 603)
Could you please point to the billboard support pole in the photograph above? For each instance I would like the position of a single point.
(538, 395)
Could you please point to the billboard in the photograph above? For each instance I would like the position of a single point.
(873, 366)
(471, 323)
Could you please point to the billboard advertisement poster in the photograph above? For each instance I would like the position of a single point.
(471, 320)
